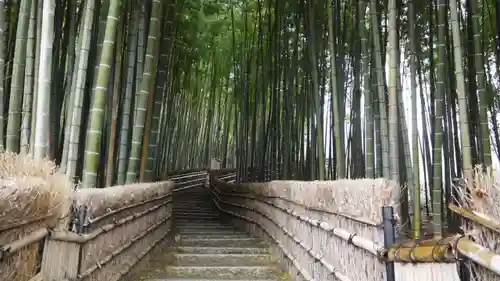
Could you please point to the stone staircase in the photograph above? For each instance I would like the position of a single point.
(204, 248)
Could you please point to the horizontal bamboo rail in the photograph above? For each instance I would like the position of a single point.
(351, 238)
(478, 254)
(20, 223)
(249, 195)
(480, 219)
(120, 249)
(286, 253)
(12, 248)
(426, 251)
(83, 238)
(114, 212)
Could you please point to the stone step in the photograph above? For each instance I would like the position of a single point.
(201, 228)
(199, 224)
(210, 232)
(195, 210)
(221, 272)
(170, 279)
(199, 215)
(213, 235)
(193, 196)
(193, 221)
(221, 259)
(220, 250)
(196, 215)
(193, 199)
(195, 207)
(222, 242)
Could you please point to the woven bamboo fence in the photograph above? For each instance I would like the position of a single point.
(112, 230)
(479, 208)
(321, 230)
(33, 199)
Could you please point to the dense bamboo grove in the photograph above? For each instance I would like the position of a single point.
(121, 91)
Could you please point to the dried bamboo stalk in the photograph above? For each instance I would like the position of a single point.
(481, 219)
(20, 223)
(429, 251)
(479, 254)
(12, 248)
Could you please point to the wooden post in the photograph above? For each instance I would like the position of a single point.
(61, 260)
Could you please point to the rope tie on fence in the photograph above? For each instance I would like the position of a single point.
(396, 252)
(413, 259)
(454, 245)
(382, 254)
(351, 237)
(435, 257)
(3, 253)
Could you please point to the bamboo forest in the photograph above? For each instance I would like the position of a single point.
(118, 92)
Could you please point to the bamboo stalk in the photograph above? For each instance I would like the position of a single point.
(20, 223)
(480, 219)
(427, 251)
(14, 247)
(479, 254)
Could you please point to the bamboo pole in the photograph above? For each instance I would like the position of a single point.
(479, 254)
(476, 217)
(12, 248)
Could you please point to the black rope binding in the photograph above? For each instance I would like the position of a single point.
(351, 237)
(434, 256)
(413, 259)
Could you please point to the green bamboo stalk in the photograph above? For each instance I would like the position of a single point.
(94, 131)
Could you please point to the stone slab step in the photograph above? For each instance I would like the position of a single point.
(201, 228)
(201, 212)
(194, 196)
(195, 217)
(220, 250)
(170, 279)
(213, 235)
(221, 259)
(193, 221)
(195, 207)
(222, 242)
(198, 216)
(205, 233)
(221, 272)
(196, 210)
(201, 224)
